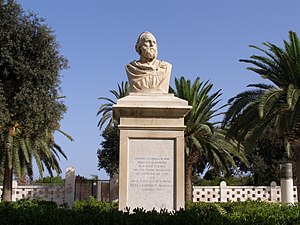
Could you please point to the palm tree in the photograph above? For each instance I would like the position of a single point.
(106, 108)
(202, 137)
(19, 151)
(276, 106)
(29, 89)
(108, 156)
(242, 125)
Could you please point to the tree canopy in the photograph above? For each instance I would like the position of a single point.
(29, 72)
(274, 108)
(108, 154)
(30, 102)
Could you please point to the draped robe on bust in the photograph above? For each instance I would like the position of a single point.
(154, 77)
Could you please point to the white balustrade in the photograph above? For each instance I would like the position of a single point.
(224, 193)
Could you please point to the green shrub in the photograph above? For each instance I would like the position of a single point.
(93, 204)
(93, 212)
(58, 180)
(233, 181)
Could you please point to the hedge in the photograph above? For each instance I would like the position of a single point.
(92, 212)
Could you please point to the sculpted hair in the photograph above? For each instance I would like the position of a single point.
(138, 42)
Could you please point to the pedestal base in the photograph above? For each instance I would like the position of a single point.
(151, 170)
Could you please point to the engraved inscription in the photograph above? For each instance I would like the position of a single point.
(155, 171)
(151, 173)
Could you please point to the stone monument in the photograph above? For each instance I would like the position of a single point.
(148, 74)
(151, 124)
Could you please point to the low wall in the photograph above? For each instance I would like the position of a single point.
(48, 193)
(69, 192)
(221, 193)
(224, 193)
(59, 194)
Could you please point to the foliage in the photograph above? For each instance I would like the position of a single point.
(105, 110)
(264, 167)
(57, 180)
(94, 177)
(108, 154)
(204, 141)
(30, 63)
(93, 204)
(30, 102)
(274, 108)
(265, 160)
(249, 212)
(30, 212)
(1, 172)
(92, 212)
(216, 179)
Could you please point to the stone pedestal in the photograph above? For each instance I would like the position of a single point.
(151, 169)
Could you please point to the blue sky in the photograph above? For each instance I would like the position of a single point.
(199, 38)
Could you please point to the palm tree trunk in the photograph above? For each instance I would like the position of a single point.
(189, 182)
(7, 181)
(297, 153)
(191, 160)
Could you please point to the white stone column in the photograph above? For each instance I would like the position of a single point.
(223, 191)
(99, 186)
(14, 190)
(273, 191)
(286, 183)
(70, 186)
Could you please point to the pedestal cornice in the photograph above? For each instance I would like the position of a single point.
(155, 106)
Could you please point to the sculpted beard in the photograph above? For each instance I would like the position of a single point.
(149, 52)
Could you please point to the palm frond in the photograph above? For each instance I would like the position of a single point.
(16, 157)
(267, 107)
(25, 150)
(65, 134)
(56, 148)
(200, 135)
(267, 101)
(293, 94)
(105, 109)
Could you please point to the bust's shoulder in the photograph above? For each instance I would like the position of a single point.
(164, 64)
(134, 62)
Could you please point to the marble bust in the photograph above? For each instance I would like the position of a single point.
(148, 74)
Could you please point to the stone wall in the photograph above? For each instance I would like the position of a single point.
(48, 193)
(59, 194)
(69, 192)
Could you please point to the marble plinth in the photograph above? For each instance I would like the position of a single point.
(151, 169)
